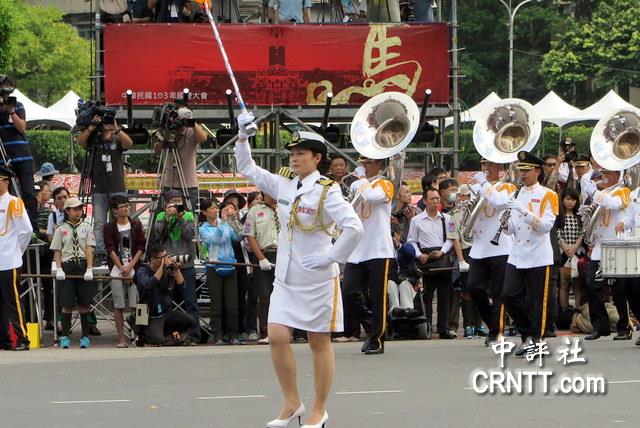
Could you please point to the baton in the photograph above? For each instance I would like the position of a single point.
(227, 65)
(95, 277)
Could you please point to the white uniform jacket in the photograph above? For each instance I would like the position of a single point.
(291, 249)
(632, 220)
(616, 211)
(488, 222)
(531, 240)
(375, 212)
(15, 231)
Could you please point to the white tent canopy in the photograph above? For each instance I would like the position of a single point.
(605, 106)
(63, 115)
(474, 112)
(555, 110)
(64, 110)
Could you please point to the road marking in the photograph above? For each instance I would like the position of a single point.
(623, 381)
(388, 391)
(90, 401)
(231, 397)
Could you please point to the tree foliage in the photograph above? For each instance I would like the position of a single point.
(43, 54)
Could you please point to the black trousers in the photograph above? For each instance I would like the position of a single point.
(159, 328)
(24, 175)
(625, 297)
(527, 289)
(367, 278)
(11, 311)
(442, 283)
(224, 298)
(485, 283)
(597, 292)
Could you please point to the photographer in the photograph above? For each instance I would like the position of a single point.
(156, 282)
(106, 143)
(565, 157)
(403, 211)
(188, 136)
(175, 229)
(13, 128)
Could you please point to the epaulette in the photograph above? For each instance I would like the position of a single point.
(286, 172)
(325, 182)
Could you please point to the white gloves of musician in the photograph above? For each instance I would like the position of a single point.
(60, 276)
(480, 178)
(264, 264)
(316, 261)
(590, 188)
(88, 274)
(463, 266)
(518, 206)
(246, 127)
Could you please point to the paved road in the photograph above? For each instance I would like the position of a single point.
(415, 384)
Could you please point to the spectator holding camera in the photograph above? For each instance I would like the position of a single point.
(73, 244)
(125, 242)
(189, 135)
(170, 10)
(219, 230)
(175, 229)
(13, 128)
(564, 158)
(107, 143)
(157, 282)
(403, 211)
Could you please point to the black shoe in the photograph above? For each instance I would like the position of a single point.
(21, 347)
(375, 350)
(522, 348)
(93, 331)
(447, 335)
(550, 333)
(490, 340)
(622, 335)
(638, 341)
(595, 335)
(49, 326)
(365, 345)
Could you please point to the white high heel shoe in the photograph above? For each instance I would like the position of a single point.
(321, 424)
(284, 423)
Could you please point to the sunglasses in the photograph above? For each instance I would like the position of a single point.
(550, 164)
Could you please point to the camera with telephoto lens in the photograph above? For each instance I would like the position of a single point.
(182, 258)
(87, 110)
(167, 120)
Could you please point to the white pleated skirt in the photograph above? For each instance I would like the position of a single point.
(310, 307)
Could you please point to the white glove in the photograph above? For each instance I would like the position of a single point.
(60, 276)
(583, 210)
(359, 171)
(88, 275)
(590, 188)
(475, 188)
(314, 261)
(264, 264)
(246, 127)
(480, 178)
(463, 266)
(517, 206)
(356, 184)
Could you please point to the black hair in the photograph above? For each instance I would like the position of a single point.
(571, 193)
(445, 184)
(437, 171)
(252, 196)
(547, 157)
(334, 157)
(222, 206)
(59, 190)
(118, 200)
(154, 249)
(429, 189)
(205, 204)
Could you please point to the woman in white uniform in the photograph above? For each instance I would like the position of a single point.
(306, 292)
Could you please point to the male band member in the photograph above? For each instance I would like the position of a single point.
(632, 223)
(488, 261)
(615, 202)
(367, 269)
(15, 234)
(532, 215)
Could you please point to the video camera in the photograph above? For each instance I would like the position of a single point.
(87, 110)
(6, 89)
(167, 117)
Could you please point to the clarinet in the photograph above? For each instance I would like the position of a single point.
(504, 222)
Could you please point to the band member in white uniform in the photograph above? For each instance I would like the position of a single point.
(488, 261)
(612, 221)
(367, 270)
(306, 291)
(526, 280)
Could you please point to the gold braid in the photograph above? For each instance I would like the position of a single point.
(318, 221)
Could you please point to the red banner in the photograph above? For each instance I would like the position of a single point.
(276, 64)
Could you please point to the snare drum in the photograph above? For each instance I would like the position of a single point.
(620, 258)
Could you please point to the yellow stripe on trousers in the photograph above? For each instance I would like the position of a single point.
(501, 321)
(334, 311)
(384, 301)
(545, 296)
(18, 305)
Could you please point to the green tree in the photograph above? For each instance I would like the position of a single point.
(46, 56)
(6, 28)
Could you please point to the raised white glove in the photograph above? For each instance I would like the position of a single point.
(246, 127)
(88, 275)
(517, 206)
(590, 188)
(463, 266)
(356, 184)
(359, 171)
(264, 264)
(315, 261)
(475, 188)
(60, 276)
(480, 178)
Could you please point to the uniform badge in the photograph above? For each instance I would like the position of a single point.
(451, 227)
(522, 156)
(283, 202)
(295, 137)
(260, 214)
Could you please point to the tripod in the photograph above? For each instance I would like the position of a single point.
(7, 163)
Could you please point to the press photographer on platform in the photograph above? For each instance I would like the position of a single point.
(103, 166)
(156, 282)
